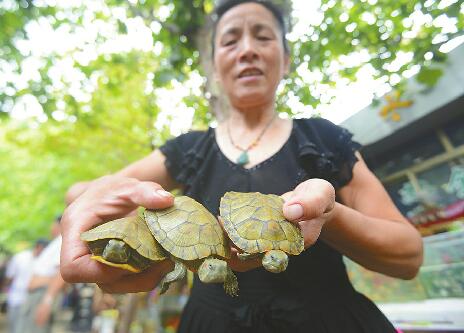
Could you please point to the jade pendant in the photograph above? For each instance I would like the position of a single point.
(243, 158)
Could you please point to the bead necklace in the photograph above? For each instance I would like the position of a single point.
(243, 158)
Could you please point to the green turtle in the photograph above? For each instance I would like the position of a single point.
(194, 240)
(256, 225)
(125, 243)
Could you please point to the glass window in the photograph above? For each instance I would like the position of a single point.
(405, 197)
(456, 181)
(455, 132)
(406, 155)
(441, 185)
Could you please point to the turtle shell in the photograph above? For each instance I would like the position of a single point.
(187, 230)
(132, 230)
(255, 223)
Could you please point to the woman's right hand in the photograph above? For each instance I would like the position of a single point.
(106, 199)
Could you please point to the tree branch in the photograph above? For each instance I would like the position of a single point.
(172, 28)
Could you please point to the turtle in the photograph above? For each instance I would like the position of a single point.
(194, 240)
(125, 243)
(256, 225)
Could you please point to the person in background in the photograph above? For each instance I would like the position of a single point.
(82, 307)
(106, 310)
(342, 209)
(44, 286)
(18, 273)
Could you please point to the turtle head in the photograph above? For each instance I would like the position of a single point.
(116, 251)
(275, 261)
(213, 271)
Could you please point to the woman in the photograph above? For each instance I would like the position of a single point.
(310, 162)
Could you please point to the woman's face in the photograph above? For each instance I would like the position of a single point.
(249, 55)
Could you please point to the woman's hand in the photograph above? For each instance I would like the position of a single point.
(310, 205)
(239, 265)
(105, 199)
(234, 262)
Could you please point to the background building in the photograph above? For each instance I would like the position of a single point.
(415, 144)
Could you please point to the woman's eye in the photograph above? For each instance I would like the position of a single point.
(263, 38)
(229, 42)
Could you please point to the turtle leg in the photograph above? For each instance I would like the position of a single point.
(248, 256)
(231, 283)
(275, 261)
(175, 275)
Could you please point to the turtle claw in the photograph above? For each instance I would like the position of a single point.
(243, 256)
(178, 273)
(231, 284)
(164, 286)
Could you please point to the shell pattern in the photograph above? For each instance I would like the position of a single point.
(188, 230)
(255, 223)
(133, 231)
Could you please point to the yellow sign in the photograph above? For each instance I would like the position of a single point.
(393, 104)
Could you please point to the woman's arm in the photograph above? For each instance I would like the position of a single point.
(369, 229)
(150, 168)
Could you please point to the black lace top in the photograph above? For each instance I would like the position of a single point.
(314, 294)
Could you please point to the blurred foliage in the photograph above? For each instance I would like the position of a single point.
(89, 106)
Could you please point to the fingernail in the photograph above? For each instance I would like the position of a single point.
(294, 212)
(163, 193)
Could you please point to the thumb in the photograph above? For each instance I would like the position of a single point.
(149, 195)
(111, 197)
(309, 200)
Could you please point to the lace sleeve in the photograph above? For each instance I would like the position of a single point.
(178, 152)
(344, 156)
(327, 151)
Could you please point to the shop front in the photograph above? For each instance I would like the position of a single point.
(420, 160)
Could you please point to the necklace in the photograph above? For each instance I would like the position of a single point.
(243, 157)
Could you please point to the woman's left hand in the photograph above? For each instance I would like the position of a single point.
(239, 265)
(310, 205)
(234, 262)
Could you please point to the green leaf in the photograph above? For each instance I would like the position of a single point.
(163, 77)
(429, 76)
(122, 28)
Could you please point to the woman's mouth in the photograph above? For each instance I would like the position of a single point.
(250, 74)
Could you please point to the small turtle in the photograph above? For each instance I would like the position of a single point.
(195, 240)
(256, 225)
(125, 243)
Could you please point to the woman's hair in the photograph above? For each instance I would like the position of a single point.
(225, 5)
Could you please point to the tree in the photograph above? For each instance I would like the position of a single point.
(92, 102)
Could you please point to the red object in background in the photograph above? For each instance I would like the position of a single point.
(171, 321)
(439, 215)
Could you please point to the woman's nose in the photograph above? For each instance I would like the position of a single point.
(247, 49)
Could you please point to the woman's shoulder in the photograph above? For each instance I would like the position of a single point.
(186, 153)
(320, 129)
(193, 135)
(189, 140)
(327, 149)
(318, 124)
